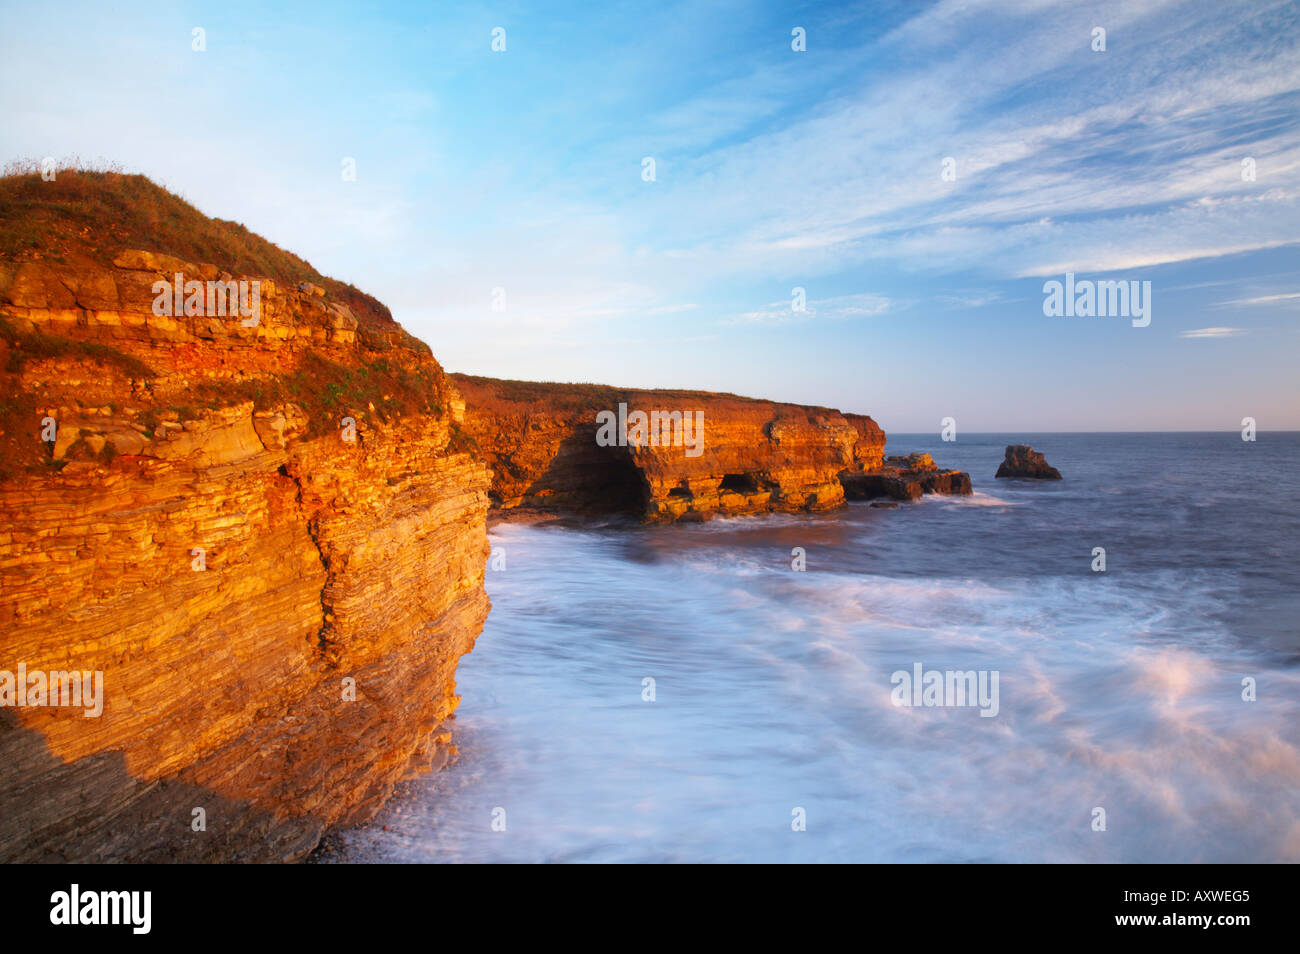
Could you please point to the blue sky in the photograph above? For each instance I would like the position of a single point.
(775, 169)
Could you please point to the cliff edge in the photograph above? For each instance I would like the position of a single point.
(665, 455)
(255, 530)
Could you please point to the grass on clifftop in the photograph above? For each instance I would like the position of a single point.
(84, 218)
(561, 396)
(93, 214)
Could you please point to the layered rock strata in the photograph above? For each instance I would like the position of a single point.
(545, 446)
(262, 538)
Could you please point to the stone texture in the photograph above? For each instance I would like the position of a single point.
(757, 456)
(326, 561)
(905, 478)
(1024, 462)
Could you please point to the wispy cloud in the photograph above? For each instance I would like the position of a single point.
(1211, 333)
(841, 308)
(1264, 299)
(775, 169)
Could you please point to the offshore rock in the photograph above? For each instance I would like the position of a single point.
(905, 478)
(1024, 462)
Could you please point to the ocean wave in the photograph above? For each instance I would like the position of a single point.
(1119, 690)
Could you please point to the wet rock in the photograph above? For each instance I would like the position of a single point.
(1022, 461)
(905, 478)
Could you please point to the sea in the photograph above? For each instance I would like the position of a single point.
(690, 694)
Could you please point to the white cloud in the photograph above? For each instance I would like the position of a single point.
(1211, 333)
(840, 308)
(1264, 300)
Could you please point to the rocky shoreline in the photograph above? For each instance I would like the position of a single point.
(541, 443)
(270, 538)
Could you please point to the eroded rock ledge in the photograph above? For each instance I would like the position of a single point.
(540, 441)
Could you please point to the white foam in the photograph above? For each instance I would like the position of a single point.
(773, 690)
(981, 499)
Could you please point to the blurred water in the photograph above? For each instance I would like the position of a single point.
(1119, 690)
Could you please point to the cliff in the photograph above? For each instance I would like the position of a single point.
(277, 602)
(698, 454)
(245, 498)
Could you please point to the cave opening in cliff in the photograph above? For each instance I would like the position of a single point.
(621, 486)
(739, 484)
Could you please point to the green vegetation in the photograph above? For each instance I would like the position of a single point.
(462, 442)
(95, 213)
(326, 391)
(21, 447)
(85, 217)
(24, 346)
(579, 396)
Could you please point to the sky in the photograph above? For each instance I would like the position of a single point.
(517, 177)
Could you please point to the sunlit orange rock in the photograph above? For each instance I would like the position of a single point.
(277, 610)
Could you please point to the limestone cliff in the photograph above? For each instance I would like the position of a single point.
(545, 447)
(267, 529)
(277, 597)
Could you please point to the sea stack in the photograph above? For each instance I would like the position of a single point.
(1023, 461)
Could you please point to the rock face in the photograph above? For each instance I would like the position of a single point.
(719, 454)
(277, 609)
(544, 445)
(905, 478)
(1023, 461)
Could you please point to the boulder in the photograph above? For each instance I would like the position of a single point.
(1024, 462)
(904, 478)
